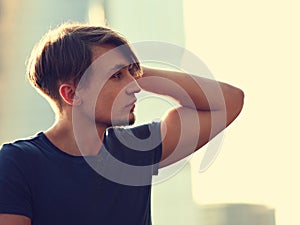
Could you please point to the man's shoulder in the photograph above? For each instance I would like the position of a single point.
(142, 137)
(136, 149)
(21, 147)
(142, 131)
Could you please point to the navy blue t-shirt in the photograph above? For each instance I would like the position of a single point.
(51, 187)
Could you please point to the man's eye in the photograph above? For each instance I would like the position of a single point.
(117, 75)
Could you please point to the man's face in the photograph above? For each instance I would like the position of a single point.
(111, 78)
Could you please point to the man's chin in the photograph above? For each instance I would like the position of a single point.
(131, 122)
(131, 119)
(128, 122)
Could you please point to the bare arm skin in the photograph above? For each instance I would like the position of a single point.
(207, 107)
(10, 219)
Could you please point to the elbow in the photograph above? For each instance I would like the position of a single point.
(234, 104)
(239, 99)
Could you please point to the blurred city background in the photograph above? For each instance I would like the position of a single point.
(251, 44)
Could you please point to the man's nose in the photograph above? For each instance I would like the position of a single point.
(133, 86)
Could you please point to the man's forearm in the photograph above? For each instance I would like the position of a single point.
(190, 91)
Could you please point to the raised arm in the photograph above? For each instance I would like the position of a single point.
(207, 107)
(11, 219)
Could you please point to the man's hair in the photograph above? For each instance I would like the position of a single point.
(64, 54)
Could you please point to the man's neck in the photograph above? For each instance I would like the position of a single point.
(85, 141)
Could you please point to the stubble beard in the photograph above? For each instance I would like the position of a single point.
(128, 122)
(132, 120)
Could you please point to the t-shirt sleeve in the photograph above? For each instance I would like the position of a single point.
(149, 142)
(15, 196)
(142, 145)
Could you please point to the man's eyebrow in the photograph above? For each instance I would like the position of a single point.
(118, 67)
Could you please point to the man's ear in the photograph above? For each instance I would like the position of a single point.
(68, 94)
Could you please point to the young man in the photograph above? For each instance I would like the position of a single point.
(89, 167)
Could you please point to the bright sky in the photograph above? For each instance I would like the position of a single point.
(255, 46)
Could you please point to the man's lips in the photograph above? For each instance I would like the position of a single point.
(131, 105)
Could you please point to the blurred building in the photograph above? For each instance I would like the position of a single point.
(23, 112)
(236, 214)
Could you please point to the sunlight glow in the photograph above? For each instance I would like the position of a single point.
(96, 15)
(258, 163)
